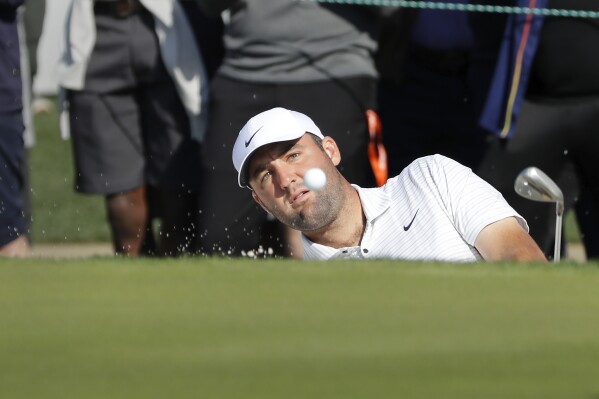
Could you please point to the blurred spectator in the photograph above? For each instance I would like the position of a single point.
(313, 58)
(30, 19)
(137, 90)
(33, 21)
(544, 109)
(435, 68)
(50, 51)
(13, 225)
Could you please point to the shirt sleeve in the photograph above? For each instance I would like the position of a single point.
(472, 202)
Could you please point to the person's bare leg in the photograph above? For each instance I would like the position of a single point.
(128, 218)
(17, 248)
(178, 228)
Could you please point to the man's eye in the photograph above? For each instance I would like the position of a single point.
(293, 155)
(266, 176)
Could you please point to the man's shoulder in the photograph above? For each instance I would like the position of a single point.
(438, 159)
(419, 166)
(428, 173)
(432, 165)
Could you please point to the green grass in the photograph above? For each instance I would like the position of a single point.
(202, 328)
(58, 213)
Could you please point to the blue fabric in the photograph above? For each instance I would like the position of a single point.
(12, 220)
(10, 72)
(12, 157)
(451, 29)
(14, 4)
(494, 112)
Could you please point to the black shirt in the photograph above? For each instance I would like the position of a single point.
(567, 59)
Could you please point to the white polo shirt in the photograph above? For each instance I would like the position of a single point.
(433, 210)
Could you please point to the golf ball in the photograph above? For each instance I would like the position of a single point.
(315, 179)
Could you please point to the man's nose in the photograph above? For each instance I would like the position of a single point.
(286, 176)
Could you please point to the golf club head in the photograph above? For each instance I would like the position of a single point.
(533, 184)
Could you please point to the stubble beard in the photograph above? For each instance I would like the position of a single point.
(324, 210)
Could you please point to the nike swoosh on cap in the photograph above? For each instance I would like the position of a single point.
(247, 143)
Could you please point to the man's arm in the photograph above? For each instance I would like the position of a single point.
(506, 239)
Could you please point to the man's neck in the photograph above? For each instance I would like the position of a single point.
(347, 229)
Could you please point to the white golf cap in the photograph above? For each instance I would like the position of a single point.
(272, 126)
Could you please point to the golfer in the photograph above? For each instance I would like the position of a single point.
(434, 210)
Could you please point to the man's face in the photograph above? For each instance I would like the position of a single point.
(276, 174)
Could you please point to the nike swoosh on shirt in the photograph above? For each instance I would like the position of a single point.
(406, 228)
(247, 143)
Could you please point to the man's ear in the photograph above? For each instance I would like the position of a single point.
(259, 201)
(331, 149)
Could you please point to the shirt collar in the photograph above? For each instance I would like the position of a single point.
(375, 201)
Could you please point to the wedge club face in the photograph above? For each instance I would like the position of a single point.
(533, 184)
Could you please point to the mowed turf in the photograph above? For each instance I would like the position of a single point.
(216, 328)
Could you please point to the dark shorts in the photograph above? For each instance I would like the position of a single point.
(231, 222)
(123, 141)
(12, 157)
(128, 125)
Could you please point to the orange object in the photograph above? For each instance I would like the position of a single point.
(377, 154)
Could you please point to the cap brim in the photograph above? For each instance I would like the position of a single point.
(242, 178)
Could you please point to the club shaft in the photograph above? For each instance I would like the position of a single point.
(558, 237)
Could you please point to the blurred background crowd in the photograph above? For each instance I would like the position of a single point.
(152, 94)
